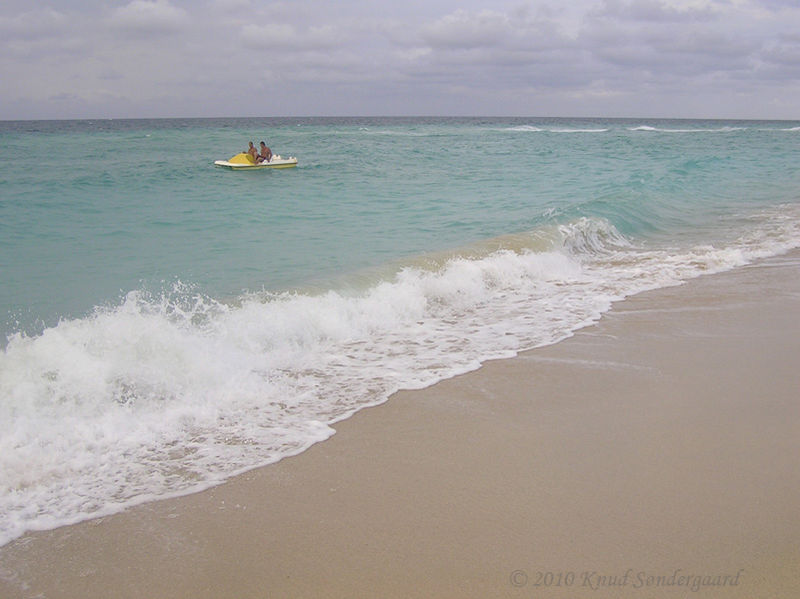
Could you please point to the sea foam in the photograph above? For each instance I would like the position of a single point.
(166, 394)
(725, 129)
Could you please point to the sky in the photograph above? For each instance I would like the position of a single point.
(214, 58)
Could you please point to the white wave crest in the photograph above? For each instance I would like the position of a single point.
(578, 130)
(726, 129)
(167, 395)
(526, 128)
(534, 129)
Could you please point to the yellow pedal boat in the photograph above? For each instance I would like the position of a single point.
(245, 162)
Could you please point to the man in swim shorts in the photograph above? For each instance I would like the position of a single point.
(265, 155)
(252, 151)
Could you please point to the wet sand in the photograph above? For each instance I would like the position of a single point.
(654, 454)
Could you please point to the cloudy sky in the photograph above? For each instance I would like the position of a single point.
(165, 58)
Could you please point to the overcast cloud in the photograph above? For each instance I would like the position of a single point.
(638, 58)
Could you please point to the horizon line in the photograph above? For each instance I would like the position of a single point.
(390, 116)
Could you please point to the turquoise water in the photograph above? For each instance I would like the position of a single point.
(92, 210)
(167, 323)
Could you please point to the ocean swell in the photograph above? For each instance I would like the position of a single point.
(170, 393)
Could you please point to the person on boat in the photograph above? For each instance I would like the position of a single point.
(253, 152)
(265, 155)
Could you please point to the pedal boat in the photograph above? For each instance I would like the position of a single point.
(245, 162)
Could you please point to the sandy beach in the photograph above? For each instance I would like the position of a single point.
(654, 454)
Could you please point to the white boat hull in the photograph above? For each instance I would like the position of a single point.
(276, 162)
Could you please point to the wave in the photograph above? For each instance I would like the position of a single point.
(169, 394)
(533, 129)
(528, 128)
(578, 130)
(726, 129)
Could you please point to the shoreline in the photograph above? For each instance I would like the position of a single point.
(659, 442)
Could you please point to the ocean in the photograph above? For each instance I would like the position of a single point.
(168, 324)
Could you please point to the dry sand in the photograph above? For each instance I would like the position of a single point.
(659, 446)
